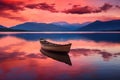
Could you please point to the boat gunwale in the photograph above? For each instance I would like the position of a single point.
(45, 42)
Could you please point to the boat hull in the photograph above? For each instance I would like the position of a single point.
(55, 47)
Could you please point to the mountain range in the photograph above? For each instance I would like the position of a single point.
(55, 26)
(1, 27)
(113, 25)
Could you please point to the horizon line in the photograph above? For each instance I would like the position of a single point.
(58, 21)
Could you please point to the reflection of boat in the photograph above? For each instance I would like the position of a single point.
(46, 45)
(59, 57)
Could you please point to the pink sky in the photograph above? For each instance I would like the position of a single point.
(15, 12)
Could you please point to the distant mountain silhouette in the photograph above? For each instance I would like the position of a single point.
(61, 23)
(113, 25)
(5, 29)
(32, 26)
(1, 26)
(73, 26)
(55, 26)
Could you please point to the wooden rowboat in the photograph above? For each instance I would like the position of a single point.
(49, 46)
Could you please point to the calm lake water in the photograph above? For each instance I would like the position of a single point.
(93, 56)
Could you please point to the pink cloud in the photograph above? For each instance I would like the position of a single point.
(77, 9)
(42, 6)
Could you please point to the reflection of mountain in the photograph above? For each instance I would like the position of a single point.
(102, 26)
(108, 37)
(2, 35)
(58, 56)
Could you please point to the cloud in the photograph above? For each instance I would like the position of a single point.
(42, 6)
(13, 6)
(18, 9)
(20, 5)
(117, 6)
(80, 10)
(10, 16)
(106, 7)
(77, 9)
(9, 7)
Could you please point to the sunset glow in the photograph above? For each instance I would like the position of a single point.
(22, 57)
(15, 12)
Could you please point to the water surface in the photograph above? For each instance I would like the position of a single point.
(93, 56)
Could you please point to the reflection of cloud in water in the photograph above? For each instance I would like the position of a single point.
(19, 56)
(89, 44)
(32, 55)
(87, 52)
(6, 55)
(12, 44)
(12, 47)
(74, 53)
(22, 60)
